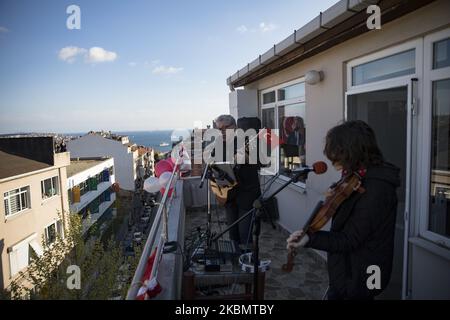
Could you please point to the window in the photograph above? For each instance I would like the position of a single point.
(87, 186)
(291, 124)
(82, 187)
(434, 220)
(286, 112)
(291, 92)
(49, 187)
(269, 97)
(21, 254)
(396, 65)
(52, 231)
(439, 219)
(441, 54)
(17, 200)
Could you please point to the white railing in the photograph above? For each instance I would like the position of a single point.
(157, 234)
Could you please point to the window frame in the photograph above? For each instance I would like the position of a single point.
(58, 191)
(16, 247)
(414, 44)
(28, 192)
(61, 233)
(430, 76)
(275, 105)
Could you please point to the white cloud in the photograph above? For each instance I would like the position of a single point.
(163, 70)
(69, 54)
(132, 64)
(97, 55)
(263, 27)
(4, 29)
(242, 29)
(267, 27)
(93, 55)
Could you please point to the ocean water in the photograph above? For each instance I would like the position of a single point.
(150, 139)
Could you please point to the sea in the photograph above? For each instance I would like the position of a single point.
(151, 139)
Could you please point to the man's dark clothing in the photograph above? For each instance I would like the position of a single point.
(241, 201)
(241, 198)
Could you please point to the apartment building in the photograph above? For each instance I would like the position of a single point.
(104, 144)
(90, 188)
(32, 184)
(397, 79)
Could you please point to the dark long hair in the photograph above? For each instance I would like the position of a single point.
(353, 145)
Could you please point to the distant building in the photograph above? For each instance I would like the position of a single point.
(101, 144)
(397, 79)
(35, 204)
(90, 188)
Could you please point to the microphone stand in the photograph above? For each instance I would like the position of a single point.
(256, 213)
(206, 175)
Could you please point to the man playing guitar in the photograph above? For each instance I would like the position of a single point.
(240, 199)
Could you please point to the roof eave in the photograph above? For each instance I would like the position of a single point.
(341, 22)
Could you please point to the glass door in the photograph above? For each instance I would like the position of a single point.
(386, 111)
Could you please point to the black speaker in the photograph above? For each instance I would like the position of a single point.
(249, 123)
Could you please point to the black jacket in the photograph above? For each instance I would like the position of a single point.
(362, 234)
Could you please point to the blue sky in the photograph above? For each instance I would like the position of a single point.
(134, 65)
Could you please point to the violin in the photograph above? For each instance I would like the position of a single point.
(325, 210)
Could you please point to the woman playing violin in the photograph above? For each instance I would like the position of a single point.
(362, 229)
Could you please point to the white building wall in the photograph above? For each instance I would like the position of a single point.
(97, 146)
(85, 175)
(90, 196)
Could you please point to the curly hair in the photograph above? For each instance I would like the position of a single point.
(353, 145)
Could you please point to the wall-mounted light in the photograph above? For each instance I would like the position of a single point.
(313, 77)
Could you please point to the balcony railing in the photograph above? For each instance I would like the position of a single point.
(158, 236)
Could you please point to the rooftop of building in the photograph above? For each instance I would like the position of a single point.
(110, 135)
(344, 20)
(13, 165)
(78, 165)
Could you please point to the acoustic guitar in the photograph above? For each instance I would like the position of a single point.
(221, 189)
(228, 181)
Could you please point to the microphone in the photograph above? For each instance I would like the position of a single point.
(318, 167)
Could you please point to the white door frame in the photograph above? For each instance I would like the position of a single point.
(412, 105)
(430, 76)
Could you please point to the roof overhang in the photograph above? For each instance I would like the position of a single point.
(343, 21)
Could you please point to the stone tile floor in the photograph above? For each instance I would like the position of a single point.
(307, 281)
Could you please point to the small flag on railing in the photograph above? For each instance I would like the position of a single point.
(150, 287)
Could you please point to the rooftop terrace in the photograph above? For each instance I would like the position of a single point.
(183, 214)
(78, 165)
(12, 165)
